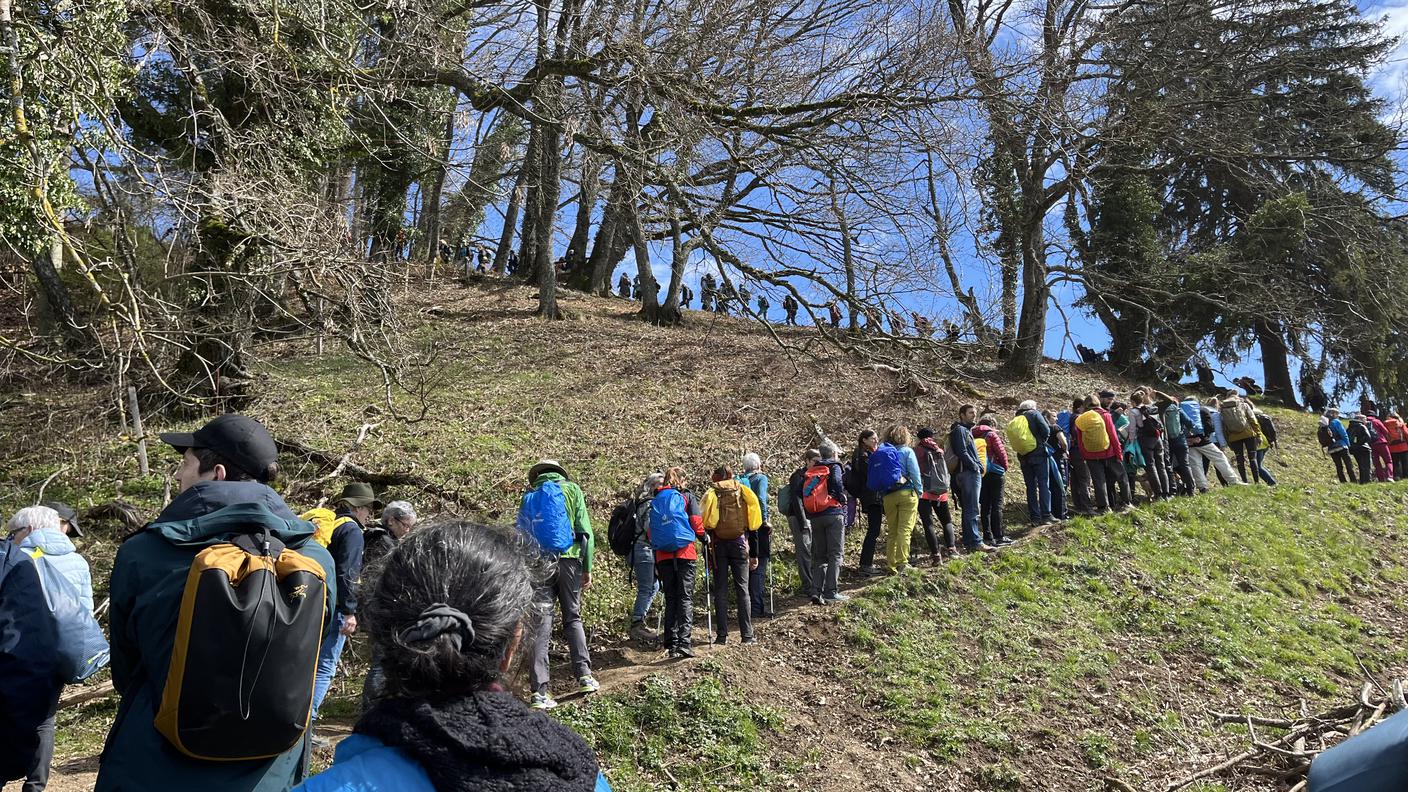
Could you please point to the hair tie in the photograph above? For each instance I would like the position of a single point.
(437, 620)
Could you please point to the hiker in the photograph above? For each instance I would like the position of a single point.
(635, 287)
(68, 518)
(30, 680)
(1029, 434)
(1379, 445)
(397, 520)
(1107, 398)
(1371, 761)
(894, 470)
(994, 479)
(1204, 452)
(623, 287)
(1266, 440)
(1397, 444)
(641, 557)
(757, 481)
(675, 524)
(834, 311)
(707, 289)
(966, 472)
(1059, 447)
(226, 467)
(789, 307)
(554, 513)
(1150, 433)
(1104, 456)
(446, 618)
(686, 296)
(791, 505)
(1334, 439)
(732, 518)
(872, 504)
(1079, 475)
(354, 507)
(1361, 445)
(1239, 426)
(1134, 463)
(934, 495)
(37, 531)
(1314, 395)
(763, 306)
(823, 497)
(1176, 429)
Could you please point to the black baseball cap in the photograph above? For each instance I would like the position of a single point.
(241, 441)
(66, 513)
(1107, 394)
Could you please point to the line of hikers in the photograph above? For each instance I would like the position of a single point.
(1367, 442)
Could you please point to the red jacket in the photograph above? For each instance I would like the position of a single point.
(997, 452)
(696, 521)
(1115, 451)
(1378, 427)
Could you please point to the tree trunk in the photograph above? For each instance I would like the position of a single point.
(650, 308)
(57, 312)
(847, 257)
(532, 206)
(1275, 365)
(1024, 361)
(581, 231)
(430, 219)
(515, 204)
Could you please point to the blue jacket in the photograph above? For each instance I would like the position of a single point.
(758, 482)
(58, 552)
(148, 579)
(346, 547)
(29, 665)
(914, 482)
(1338, 435)
(365, 764)
(1373, 761)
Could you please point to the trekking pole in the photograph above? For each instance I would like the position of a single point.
(772, 608)
(708, 594)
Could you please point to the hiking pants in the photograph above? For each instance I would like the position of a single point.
(1080, 482)
(874, 524)
(802, 550)
(927, 508)
(643, 567)
(1261, 468)
(730, 560)
(990, 507)
(1371, 761)
(1057, 483)
(1383, 462)
(1111, 483)
(677, 583)
(758, 578)
(1156, 466)
(901, 512)
(966, 487)
(328, 655)
(1400, 466)
(1209, 454)
(563, 588)
(1362, 458)
(1036, 473)
(1246, 452)
(1344, 468)
(38, 776)
(828, 541)
(1178, 452)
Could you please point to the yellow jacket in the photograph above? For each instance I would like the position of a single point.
(750, 502)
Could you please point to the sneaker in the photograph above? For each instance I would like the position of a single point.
(816, 600)
(588, 684)
(872, 571)
(543, 701)
(1006, 541)
(721, 640)
(683, 652)
(837, 597)
(752, 639)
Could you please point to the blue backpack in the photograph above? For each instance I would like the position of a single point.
(1193, 412)
(670, 530)
(543, 516)
(884, 469)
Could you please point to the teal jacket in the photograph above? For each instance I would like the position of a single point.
(585, 546)
(148, 579)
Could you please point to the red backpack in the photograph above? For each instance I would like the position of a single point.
(816, 494)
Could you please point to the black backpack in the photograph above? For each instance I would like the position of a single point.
(1152, 428)
(624, 529)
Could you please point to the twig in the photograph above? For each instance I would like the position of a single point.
(40, 497)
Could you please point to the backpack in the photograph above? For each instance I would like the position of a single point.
(1151, 428)
(1372, 431)
(1193, 412)
(1234, 420)
(981, 443)
(544, 517)
(816, 489)
(670, 530)
(1396, 434)
(82, 649)
(1019, 433)
(623, 531)
(325, 521)
(884, 470)
(987, 460)
(245, 651)
(786, 501)
(1326, 438)
(1094, 437)
(1175, 422)
(733, 512)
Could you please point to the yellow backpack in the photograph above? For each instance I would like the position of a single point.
(1094, 438)
(1019, 432)
(326, 521)
(981, 444)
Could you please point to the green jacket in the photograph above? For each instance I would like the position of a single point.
(148, 579)
(585, 546)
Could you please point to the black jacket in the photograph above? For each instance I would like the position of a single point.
(347, 546)
(855, 481)
(29, 668)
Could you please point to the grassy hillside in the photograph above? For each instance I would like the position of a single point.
(1090, 651)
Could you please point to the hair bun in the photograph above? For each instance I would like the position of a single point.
(437, 620)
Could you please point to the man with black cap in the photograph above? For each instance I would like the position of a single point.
(68, 518)
(227, 462)
(355, 507)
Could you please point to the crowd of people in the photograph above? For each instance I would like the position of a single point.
(1366, 442)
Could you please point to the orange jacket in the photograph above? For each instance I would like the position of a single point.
(1397, 435)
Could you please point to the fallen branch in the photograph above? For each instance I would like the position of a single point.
(86, 694)
(356, 472)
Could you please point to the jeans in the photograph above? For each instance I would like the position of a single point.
(990, 507)
(1362, 457)
(730, 559)
(1383, 462)
(1246, 452)
(1056, 483)
(828, 542)
(1344, 468)
(966, 487)
(643, 567)
(328, 655)
(1080, 483)
(1156, 466)
(874, 519)
(802, 549)
(927, 509)
(563, 588)
(38, 777)
(1036, 473)
(677, 584)
(1261, 467)
(901, 512)
(1178, 450)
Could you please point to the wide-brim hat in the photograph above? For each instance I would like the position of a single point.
(546, 466)
(358, 493)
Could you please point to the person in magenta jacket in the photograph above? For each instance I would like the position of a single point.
(1383, 458)
(994, 481)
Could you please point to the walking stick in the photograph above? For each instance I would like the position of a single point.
(708, 594)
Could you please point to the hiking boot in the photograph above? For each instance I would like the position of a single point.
(837, 597)
(642, 633)
(1006, 541)
(720, 640)
(683, 652)
(872, 571)
(751, 639)
(588, 684)
(542, 701)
